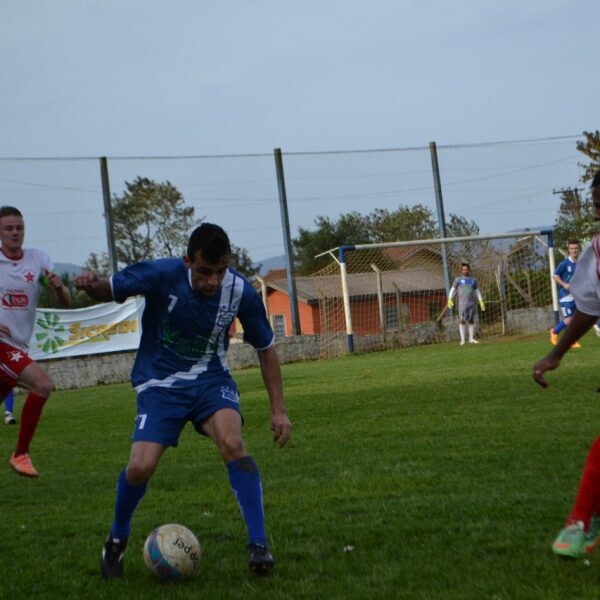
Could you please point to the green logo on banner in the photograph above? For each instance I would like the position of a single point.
(49, 339)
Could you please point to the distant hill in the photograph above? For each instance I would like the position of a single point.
(270, 264)
(69, 268)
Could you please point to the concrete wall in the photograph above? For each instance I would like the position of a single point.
(87, 371)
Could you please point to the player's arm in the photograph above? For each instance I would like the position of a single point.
(480, 299)
(95, 287)
(271, 374)
(560, 281)
(58, 290)
(579, 325)
(451, 295)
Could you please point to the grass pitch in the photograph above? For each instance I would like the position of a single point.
(430, 472)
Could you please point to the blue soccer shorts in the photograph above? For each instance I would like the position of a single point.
(568, 308)
(162, 412)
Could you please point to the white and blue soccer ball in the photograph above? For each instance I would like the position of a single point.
(172, 552)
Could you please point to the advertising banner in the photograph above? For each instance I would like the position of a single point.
(108, 327)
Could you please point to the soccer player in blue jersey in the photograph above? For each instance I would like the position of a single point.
(180, 374)
(467, 288)
(563, 275)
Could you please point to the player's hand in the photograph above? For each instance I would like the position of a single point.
(450, 303)
(84, 280)
(52, 279)
(4, 330)
(281, 428)
(482, 305)
(547, 363)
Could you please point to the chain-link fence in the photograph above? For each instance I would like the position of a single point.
(501, 186)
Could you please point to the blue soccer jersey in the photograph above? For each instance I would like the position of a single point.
(565, 270)
(185, 335)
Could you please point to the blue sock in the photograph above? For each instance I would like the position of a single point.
(128, 497)
(9, 402)
(559, 327)
(247, 489)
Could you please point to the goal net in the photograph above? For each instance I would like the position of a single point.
(378, 296)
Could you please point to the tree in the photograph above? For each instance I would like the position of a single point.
(461, 227)
(240, 261)
(151, 221)
(574, 219)
(351, 228)
(98, 263)
(591, 148)
(403, 224)
(382, 225)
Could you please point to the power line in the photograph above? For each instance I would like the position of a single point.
(305, 153)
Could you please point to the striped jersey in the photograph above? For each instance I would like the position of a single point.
(185, 335)
(565, 270)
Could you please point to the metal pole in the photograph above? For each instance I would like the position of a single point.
(108, 217)
(552, 267)
(440, 210)
(379, 296)
(287, 242)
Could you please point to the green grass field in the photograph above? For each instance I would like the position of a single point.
(429, 472)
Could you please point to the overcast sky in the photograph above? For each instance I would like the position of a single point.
(149, 78)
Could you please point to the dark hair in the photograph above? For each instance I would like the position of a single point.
(10, 211)
(573, 241)
(465, 264)
(595, 180)
(211, 240)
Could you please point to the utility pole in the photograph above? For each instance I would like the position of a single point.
(574, 190)
(571, 193)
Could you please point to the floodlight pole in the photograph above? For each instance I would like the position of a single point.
(440, 211)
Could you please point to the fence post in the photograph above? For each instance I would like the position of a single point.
(289, 256)
(108, 216)
(440, 211)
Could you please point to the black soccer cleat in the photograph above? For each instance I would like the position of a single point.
(261, 560)
(111, 563)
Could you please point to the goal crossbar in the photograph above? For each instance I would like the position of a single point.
(340, 256)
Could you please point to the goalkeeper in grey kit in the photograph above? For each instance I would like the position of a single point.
(467, 289)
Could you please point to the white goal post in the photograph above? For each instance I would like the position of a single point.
(379, 293)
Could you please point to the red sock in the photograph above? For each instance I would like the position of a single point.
(30, 415)
(587, 502)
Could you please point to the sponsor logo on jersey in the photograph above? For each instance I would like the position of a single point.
(230, 394)
(15, 300)
(225, 317)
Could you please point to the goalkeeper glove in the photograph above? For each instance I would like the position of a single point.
(481, 305)
(450, 303)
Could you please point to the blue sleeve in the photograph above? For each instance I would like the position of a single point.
(560, 270)
(136, 280)
(253, 317)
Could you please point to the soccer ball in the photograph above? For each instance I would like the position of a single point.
(172, 552)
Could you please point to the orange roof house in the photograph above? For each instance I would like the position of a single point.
(416, 293)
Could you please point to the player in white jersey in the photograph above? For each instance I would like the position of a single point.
(22, 272)
(581, 533)
(181, 375)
